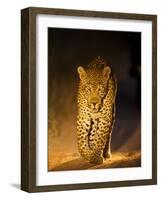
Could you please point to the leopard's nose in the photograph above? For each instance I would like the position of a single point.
(94, 104)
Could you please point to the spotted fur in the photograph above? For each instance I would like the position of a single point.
(96, 110)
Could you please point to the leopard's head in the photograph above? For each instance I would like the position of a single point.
(94, 85)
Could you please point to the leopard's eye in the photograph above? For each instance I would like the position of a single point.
(87, 89)
(101, 89)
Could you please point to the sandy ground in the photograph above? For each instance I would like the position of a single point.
(62, 156)
(71, 161)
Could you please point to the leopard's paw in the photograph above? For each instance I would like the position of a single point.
(97, 160)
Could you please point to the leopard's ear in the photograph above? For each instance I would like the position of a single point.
(81, 72)
(106, 72)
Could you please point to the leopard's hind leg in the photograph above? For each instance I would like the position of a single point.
(107, 149)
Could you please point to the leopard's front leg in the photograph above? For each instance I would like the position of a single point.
(83, 130)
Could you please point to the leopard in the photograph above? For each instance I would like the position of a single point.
(96, 103)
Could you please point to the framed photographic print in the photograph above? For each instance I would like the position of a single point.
(89, 99)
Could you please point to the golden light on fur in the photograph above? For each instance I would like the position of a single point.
(96, 111)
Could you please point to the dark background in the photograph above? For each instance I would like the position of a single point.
(70, 48)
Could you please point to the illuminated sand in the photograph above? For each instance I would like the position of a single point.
(75, 162)
(63, 156)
